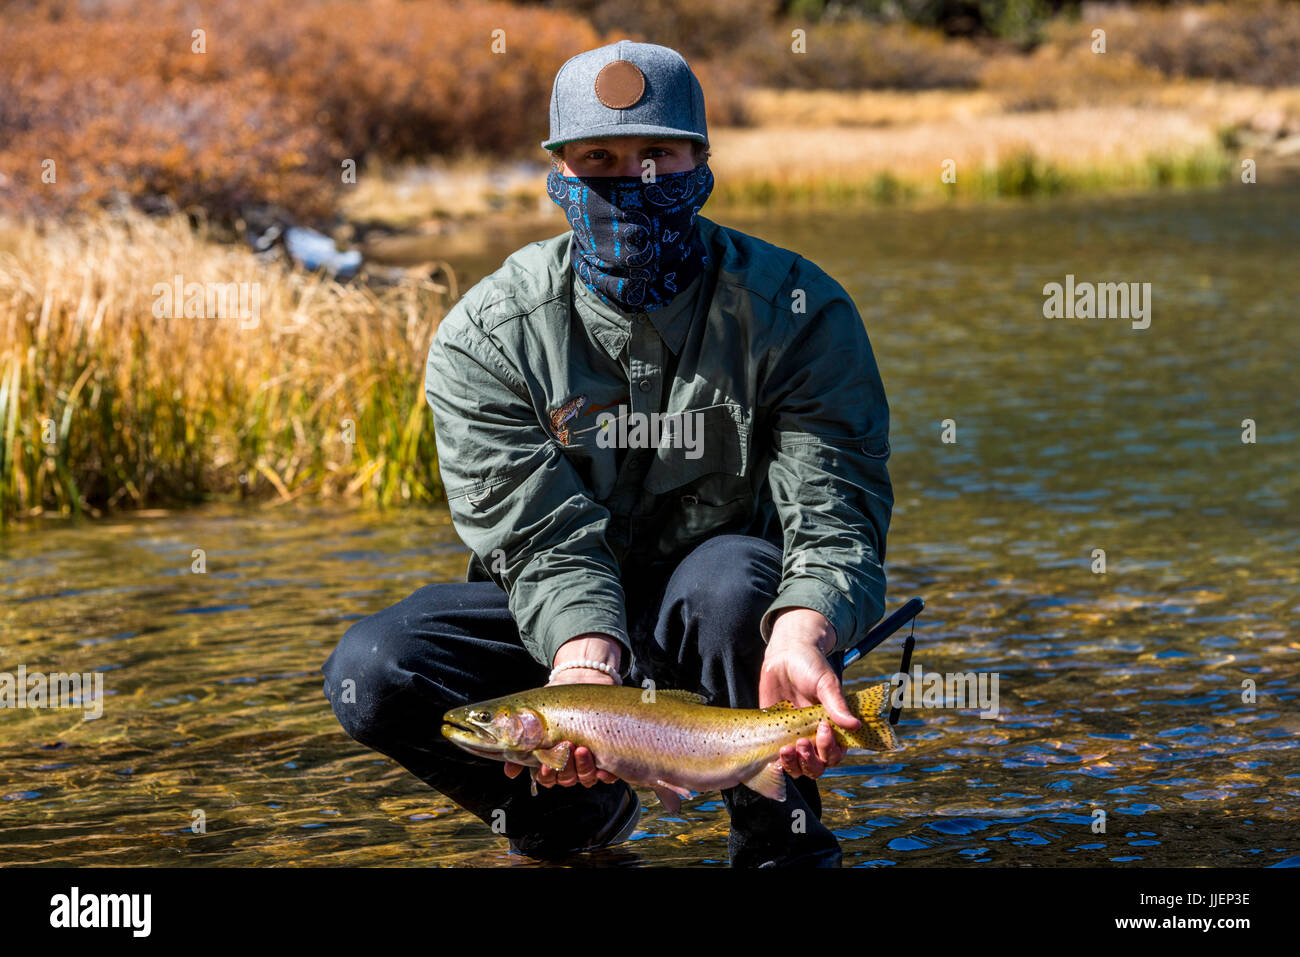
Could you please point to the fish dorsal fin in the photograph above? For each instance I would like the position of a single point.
(780, 706)
(555, 758)
(769, 782)
(689, 696)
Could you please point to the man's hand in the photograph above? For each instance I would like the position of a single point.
(796, 670)
(581, 768)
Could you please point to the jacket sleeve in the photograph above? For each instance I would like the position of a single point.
(516, 501)
(830, 440)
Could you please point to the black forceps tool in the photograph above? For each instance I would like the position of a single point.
(884, 628)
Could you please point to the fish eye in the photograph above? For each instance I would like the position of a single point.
(483, 716)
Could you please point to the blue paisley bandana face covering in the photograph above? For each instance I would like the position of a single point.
(635, 244)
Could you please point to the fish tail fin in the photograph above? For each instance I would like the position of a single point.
(876, 734)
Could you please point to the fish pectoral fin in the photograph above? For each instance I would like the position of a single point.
(554, 758)
(675, 788)
(671, 802)
(780, 706)
(670, 795)
(769, 782)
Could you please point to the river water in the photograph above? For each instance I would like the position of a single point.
(1161, 693)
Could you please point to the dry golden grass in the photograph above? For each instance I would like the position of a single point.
(102, 404)
(1214, 102)
(1108, 141)
(1077, 137)
(825, 108)
(407, 195)
(891, 145)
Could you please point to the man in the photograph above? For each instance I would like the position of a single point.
(664, 443)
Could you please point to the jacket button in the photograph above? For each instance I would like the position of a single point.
(644, 385)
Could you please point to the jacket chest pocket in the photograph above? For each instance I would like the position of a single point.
(702, 455)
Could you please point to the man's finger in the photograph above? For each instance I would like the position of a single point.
(790, 761)
(812, 765)
(586, 767)
(767, 688)
(829, 752)
(831, 697)
(545, 777)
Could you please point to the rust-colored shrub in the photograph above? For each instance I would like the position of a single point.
(700, 30)
(282, 94)
(856, 55)
(1055, 78)
(1247, 41)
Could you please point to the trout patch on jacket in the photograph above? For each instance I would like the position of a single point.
(562, 416)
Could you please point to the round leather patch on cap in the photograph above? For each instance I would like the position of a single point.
(620, 84)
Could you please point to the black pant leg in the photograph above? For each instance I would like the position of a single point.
(703, 636)
(395, 673)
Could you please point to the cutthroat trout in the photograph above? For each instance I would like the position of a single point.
(667, 740)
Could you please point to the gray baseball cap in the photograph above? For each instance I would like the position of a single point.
(626, 89)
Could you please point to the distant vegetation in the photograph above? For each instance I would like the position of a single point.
(285, 92)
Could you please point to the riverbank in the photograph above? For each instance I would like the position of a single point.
(830, 147)
(890, 147)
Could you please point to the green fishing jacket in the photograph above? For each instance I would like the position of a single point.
(563, 482)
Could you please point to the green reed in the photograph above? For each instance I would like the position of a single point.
(105, 405)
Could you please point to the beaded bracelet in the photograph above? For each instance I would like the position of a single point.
(593, 665)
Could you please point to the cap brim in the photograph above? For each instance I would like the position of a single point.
(626, 129)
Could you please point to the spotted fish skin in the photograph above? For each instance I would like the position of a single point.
(561, 417)
(667, 740)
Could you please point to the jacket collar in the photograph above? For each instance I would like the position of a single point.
(612, 327)
(729, 266)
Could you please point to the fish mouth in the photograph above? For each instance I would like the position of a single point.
(471, 738)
